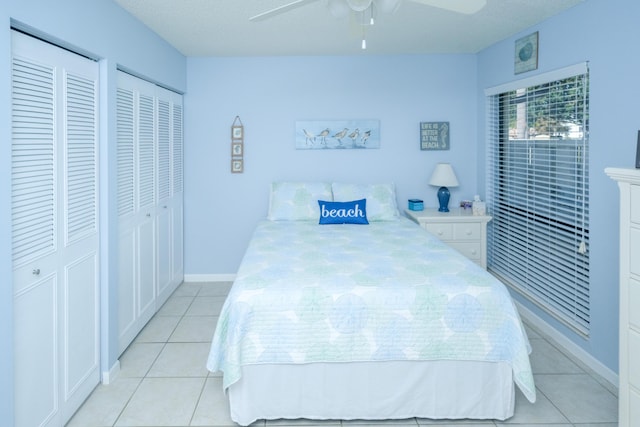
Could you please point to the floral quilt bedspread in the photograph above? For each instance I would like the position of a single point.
(389, 290)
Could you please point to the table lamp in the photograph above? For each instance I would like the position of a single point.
(443, 177)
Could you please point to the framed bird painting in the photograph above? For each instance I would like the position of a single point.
(337, 134)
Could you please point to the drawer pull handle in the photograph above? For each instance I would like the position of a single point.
(36, 272)
(440, 233)
(469, 232)
(473, 252)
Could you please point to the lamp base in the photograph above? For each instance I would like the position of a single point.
(443, 199)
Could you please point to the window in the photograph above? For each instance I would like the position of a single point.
(538, 191)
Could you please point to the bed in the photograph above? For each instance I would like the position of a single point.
(373, 320)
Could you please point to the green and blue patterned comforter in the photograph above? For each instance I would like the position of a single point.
(389, 290)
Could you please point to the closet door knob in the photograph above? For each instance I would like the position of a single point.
(36, 272)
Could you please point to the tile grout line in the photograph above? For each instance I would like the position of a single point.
(206, 378)
(138, 386)
(164, 346)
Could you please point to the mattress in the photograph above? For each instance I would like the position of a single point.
(384, 292)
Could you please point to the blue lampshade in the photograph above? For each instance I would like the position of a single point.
(443, 176)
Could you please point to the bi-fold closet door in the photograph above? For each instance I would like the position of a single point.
(150, 202)
(54, 230)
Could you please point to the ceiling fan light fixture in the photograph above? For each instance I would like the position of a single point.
(359, 5)
(372, 21)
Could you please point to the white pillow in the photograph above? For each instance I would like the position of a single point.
(297, 201)
(381, 198)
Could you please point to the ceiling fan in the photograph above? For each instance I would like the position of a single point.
(343, 7)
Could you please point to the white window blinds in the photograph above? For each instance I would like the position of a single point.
(538, 192)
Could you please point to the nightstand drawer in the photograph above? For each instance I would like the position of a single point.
(441, 231)
(471, 250)
(466, 231)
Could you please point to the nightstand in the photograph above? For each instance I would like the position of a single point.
(459, 228)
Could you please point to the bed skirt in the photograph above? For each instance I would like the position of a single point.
(373, 391)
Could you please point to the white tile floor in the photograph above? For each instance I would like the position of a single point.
(163, 380)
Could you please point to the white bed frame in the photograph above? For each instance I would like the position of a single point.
(373, 391)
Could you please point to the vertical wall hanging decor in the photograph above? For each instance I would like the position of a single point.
(237, 146)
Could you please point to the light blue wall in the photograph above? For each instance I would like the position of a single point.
(270, 94)
(604, 33)
(103, 30)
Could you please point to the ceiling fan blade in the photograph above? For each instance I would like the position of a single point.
(280, 9)
(467, 7)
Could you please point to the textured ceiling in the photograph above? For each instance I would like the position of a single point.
(222, 27)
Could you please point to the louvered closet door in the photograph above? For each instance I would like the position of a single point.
(127, 271)
(164, 196)
(177, 230)
(54, 231)
(146, 197)
(137, 204)
(149, 200)
(136, 195)
(170, 211)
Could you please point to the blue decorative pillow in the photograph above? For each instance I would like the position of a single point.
(354, 212)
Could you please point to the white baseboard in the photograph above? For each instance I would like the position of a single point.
(569, 346)
(110, 376)
(197, 278)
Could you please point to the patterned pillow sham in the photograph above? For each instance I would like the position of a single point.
(297, 201)
(381, 199)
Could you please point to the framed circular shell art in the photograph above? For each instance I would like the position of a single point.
(526, 54)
